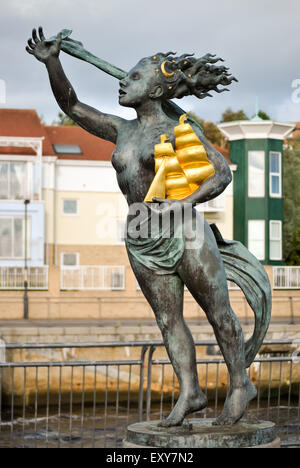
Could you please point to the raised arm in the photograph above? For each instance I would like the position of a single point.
(105, 126)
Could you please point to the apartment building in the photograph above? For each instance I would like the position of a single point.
(69, 239)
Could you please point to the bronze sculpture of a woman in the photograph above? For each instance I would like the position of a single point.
(163, 264)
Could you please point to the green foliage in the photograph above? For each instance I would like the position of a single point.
(63, 119)
(263, 115)
(210, 130)
(292, 206)
(42, 120)
(230, 116)
(294, 142)
(294, 256)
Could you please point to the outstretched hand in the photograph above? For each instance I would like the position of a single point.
(41, 49)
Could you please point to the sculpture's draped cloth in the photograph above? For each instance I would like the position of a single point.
(248, 273)
(160, 244)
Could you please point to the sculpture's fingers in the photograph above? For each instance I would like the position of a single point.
(41, 34)
(161, 200)
(30, 51)
(59, 39)
(35, 36)
(31, 44)
(157, 200)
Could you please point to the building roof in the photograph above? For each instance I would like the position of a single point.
(92, 147)
(23, 123)
(26, 123)
(256, 129)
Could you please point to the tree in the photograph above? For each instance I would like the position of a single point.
(63, 119)
(230, 116)
(42, 120)
(263, 115)
(210, 130)
(294, 256)
(292, 206)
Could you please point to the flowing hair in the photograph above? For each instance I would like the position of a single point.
(187, 75)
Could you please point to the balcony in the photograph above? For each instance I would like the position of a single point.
(287, 277)
(20, 173)
(100, 278)
(12, 278)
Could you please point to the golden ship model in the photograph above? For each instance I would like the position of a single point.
(180, 172)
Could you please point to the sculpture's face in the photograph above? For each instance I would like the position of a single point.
(139, 85)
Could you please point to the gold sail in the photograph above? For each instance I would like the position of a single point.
(170, 180)
(158, 187)
(180, 173)
(191, 154)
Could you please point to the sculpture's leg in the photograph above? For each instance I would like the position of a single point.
(165, 295)
(203, 272)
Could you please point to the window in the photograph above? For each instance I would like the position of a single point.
(256, 238)
(256, 173)
(117, 280)
(70, 259)
(12, 237)
(70, 207)
(275, 174)
(275, 240)
(12, 180)
(67, 149)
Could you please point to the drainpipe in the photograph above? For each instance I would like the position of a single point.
(26, 315)
(55, 212)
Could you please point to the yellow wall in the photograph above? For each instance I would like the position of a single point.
(96, 222)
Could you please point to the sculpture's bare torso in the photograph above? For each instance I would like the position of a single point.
(133, 157)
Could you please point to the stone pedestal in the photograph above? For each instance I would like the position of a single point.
(201, 433)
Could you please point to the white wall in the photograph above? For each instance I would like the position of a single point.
(80, 176)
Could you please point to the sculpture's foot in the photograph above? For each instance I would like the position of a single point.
(236, 403)
(183, 407)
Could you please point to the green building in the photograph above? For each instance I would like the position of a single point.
(256, 148)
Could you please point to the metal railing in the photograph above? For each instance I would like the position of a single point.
(103, 277)
(12, 278)
(286, 277)
(84, 403)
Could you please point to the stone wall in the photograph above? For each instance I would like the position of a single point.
(55, 304)
(97, 305)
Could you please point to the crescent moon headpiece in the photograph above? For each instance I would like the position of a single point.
(164, 71)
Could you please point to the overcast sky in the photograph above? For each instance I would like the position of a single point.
(259, 40)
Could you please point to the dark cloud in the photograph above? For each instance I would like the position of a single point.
(258, 39)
